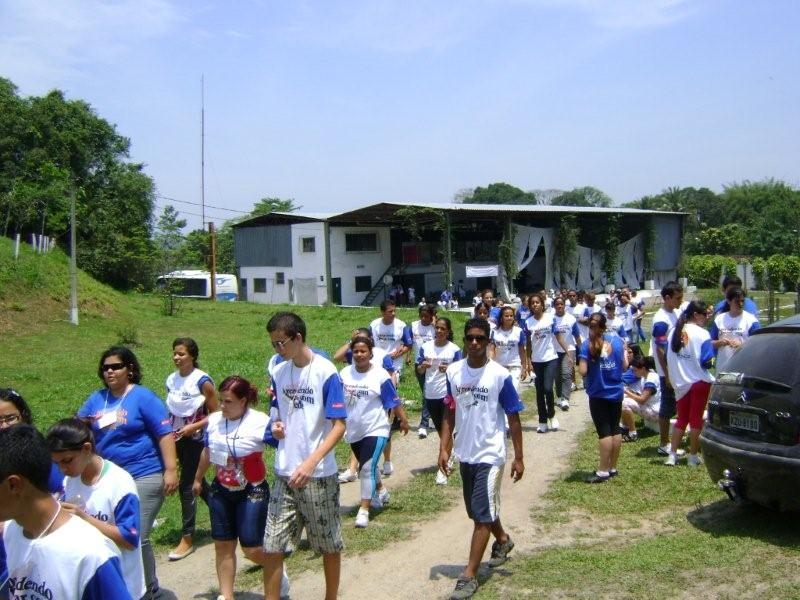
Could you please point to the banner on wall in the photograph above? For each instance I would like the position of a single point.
(484, 271)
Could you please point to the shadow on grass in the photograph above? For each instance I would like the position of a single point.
(746, 520)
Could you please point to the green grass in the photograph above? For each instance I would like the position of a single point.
(653, 532)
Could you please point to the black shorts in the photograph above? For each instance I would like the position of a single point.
(605, 415)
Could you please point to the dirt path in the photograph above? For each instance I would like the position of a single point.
(426, 565)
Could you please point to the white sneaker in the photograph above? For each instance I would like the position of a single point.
(441, 478)
(422, 433)
(381, 499)
(388, 468)
(672, 459)
(362, 518)
(284, 583)
(564, 405)
(347, 476)
(542, 428)
(553, 424)
(694, 460)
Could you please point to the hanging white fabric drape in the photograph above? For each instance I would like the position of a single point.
(526, 244)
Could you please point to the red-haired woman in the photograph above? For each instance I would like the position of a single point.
(234, 441)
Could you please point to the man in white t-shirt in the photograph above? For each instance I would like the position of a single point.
(664, 320)
(480, 394)
(390, 335)
(309, 409)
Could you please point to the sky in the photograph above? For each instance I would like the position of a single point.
(338, 104)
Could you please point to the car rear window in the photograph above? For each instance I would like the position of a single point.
(773, 356)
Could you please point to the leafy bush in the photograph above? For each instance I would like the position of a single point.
(706, 270)
(779, 270)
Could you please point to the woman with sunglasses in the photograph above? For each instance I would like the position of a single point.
(690, 357)
(603, 360)
(131, 428)
(100, 493)
(191, 396)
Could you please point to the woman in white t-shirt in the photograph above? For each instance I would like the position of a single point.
(101, 493)
(190, 398)
(541, 328)
(507, 346)
(731, 327)
(369, 394)
(690, 357)
(234, 443)
(432, 362)
(643, 397)
(567, 326)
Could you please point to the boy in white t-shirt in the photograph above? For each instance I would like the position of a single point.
(479, 394)
(308, 401)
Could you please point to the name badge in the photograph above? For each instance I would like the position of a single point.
(219, 457)
(108, 418)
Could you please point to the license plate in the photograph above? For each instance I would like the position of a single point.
(743, 420)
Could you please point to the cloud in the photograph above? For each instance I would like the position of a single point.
(43, 42)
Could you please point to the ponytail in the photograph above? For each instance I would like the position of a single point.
(695, 307)
(596, 335)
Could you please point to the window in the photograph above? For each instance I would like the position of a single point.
(260, 285)
(364, 283)
(361, 242)
(280, 278)
(308, 244)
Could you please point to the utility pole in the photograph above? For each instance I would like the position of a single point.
(73, 261)
(212, 234)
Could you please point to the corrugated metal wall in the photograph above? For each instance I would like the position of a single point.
(263, 246)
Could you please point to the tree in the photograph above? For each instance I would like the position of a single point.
(270, 205)
(584, 196)
(169, 239)
(500, 193)
(50, 147)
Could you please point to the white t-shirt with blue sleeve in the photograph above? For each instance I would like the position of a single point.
(306, 399)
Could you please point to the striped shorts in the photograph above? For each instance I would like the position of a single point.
(481, 486)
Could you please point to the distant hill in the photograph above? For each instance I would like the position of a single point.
(34, 290)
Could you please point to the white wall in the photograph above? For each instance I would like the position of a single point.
(305, 265)
(349, 265)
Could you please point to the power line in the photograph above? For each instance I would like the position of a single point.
(208, 217)
(241, 212)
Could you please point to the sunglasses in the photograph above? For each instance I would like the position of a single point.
(279, 344)
(113, 367)
(475, 338)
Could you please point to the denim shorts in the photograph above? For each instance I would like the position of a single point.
(239, 514)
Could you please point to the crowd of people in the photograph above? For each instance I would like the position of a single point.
(80, 501)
